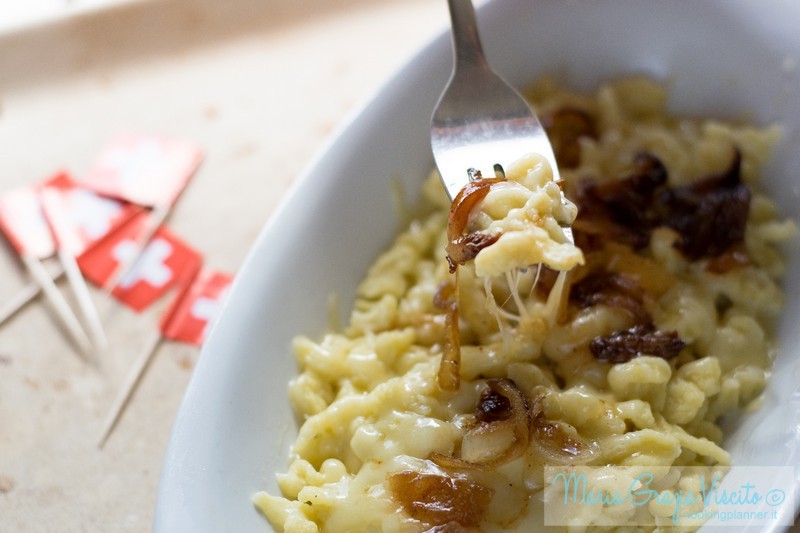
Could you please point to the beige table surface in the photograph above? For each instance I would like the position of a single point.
(261, 85)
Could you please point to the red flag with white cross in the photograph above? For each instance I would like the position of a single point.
(78, 216)
(165, 262)
(144, 169)
(195, 308)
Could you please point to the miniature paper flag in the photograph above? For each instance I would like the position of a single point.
(166, 260)
(23, 222)
(190, 316)
(78, 216)
(143, 169)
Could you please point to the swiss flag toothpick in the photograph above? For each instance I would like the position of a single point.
(109, 228)
(85, 217)
(165, 261)
(22, 220)
(188, 318)
(78, 218)
(146, 170)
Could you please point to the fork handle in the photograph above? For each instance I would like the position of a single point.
(467, 48)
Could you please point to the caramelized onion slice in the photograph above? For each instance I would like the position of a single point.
(620, 209)
(716, 223)
(613, 290)
(465, 247)
(446, 299)
(554, 442)
(462, 248)
(641, 339)
(445, 296)
(489, 444)
(501, 433)
(463, 204)
(709, 214)
(439, 499)
(449, 375)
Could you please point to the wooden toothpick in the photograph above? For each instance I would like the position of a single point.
(58, 303)
(84, 298)
(25, 296)
(131, 382)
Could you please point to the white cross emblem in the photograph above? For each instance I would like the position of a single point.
(91, 213)
(133, 163)
(150, 267)
(205, 309)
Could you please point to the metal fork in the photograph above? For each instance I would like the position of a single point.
(481, 124)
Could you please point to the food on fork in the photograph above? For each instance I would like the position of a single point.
(521, 216)
(469, 363)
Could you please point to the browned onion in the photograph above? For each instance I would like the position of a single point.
(461, 248)
(554, 442)
(496, 440)
(465, 247)
(615, 276)
(449, 375)
(440, 499)
(464, 202)
(445, 296)
(709, 214)
(622, 346)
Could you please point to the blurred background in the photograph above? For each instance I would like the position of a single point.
(259, 85)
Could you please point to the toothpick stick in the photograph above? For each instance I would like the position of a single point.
(142, 362)
(25, 296)
(59, 304)
(84, 298)
(157, 217)
(132, 381)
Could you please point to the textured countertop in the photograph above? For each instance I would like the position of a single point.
(260, 85)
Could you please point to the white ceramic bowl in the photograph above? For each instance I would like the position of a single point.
(719, 57)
